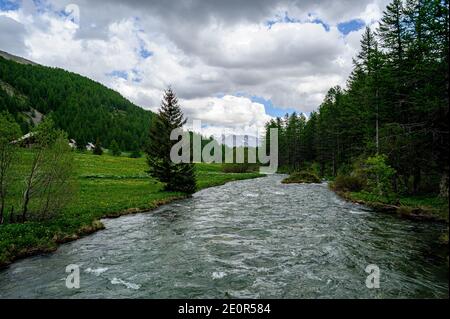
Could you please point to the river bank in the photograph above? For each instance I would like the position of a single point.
(413, 212)
(416, 209)
(108, 187)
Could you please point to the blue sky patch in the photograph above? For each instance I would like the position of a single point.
(145, 53)
(119, 74)
(282, 19)
(325, 25)
(42, 6)
(287, 19)
(9, 5)
(270, 108)
(350, 26)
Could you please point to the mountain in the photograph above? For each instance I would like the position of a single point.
(15, 58)
(85, 109)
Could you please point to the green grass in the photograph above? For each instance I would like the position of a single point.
(301, 177)
(108, 186)
(430, 205)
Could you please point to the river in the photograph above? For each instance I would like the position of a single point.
(248, 239)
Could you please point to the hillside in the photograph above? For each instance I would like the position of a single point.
(85, 109)
(15, 58)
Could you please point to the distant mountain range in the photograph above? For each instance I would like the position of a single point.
(85, 109)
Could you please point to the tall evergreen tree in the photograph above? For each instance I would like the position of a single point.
(177, 177)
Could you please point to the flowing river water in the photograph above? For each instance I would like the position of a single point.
(248, 239)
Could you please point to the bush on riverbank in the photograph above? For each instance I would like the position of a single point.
(239, 168)
(345, 183)
(413, 207)
(302, 177)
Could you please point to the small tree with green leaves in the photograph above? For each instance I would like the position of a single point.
(49, 180)
(114, 148)
(379, 175)
(178, 177)
(58, 183)
(9, 131)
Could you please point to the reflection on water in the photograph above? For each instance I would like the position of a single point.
(247, 239)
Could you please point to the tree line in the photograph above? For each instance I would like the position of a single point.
(395, 106)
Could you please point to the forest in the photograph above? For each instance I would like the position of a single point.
(393, 111)
(85, 109)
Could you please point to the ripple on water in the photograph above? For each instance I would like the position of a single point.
(129, 285)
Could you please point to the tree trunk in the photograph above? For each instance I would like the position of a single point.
(26, 200)
(11, 216)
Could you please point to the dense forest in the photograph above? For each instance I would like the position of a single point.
(86, 110)
(395, 105)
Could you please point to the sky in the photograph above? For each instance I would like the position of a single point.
(233, 64)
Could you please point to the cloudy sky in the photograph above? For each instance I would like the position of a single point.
(233, 64)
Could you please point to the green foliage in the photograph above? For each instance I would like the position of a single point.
(114, 148)
(379, 175)
(177, 177)
(239, 168)
(135, 154)
(81, 107)
(302, 177)
(9, 129)
(346, 183)
(9, 132)
(48, 177)
(98, 150)
(433, 205)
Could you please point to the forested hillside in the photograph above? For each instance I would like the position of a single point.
(85, 109)
(395, 105)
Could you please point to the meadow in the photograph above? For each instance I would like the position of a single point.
(106, 186)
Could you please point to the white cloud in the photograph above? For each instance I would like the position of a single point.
(202, 50)
(229, 110)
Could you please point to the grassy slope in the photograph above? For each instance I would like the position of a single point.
(108, 187)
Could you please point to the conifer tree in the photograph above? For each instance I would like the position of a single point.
(177, 177)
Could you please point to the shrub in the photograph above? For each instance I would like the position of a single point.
(379, 175)
(239, 168)
(135, 154)
(98, 150)
(346, 183)
(302, 177)
(114, 148)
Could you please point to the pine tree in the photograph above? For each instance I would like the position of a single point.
(177, 177)
(393, 31)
